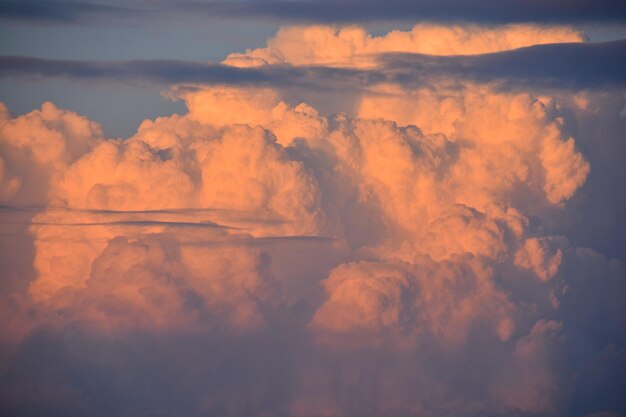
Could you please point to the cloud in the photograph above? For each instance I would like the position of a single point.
(420, 254)
(400, 305)
(567, 65)
(536, 66)
(37, 146)
(537, 255)
(482, 11)
(531, 383)
(61, 11)
(352, 46)
(168, 72)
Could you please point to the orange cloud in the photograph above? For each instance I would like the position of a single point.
(411, 243)
(399, 190)
(352, 46)
(400, 305)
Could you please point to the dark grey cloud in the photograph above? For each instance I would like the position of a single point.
(484, 11)
(150, 375)
(177, 72)
(569, 65)
(575, 65)
(62, 12)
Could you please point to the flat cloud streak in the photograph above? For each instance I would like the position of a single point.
(62, 12)
(176, 72)
(483, 11)
(569, 65)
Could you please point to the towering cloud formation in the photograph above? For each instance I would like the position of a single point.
(411, 260)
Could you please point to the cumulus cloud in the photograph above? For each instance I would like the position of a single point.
(353, 46)
(415, 255)
(537, 255)
(403, 304)
(39, 145)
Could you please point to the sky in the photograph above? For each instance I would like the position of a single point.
(299, 208)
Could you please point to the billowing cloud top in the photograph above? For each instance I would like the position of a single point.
(353, 46)
(429, 249)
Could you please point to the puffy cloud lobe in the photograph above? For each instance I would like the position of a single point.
(246, 170)
(155, 282)
(37, 147)
(254, 106)
(51, 135)
(530, 382)
(400, 304)
(463, 230)
(565, 169)
(125, 176)
(502, 130)
(537, 255)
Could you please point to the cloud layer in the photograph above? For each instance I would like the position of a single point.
(348, 60)
(421, 253)
(446, 11)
